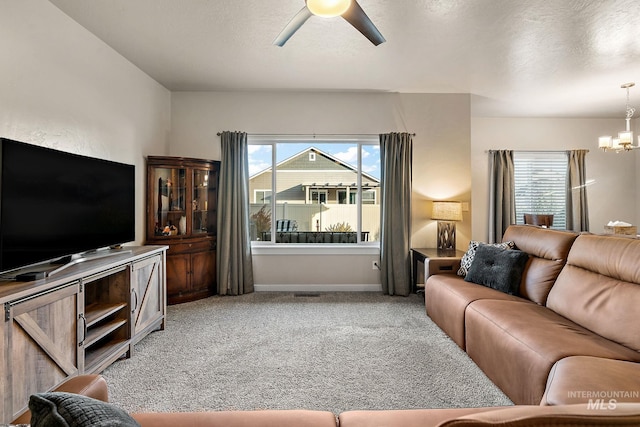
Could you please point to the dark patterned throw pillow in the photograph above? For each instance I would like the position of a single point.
(497, 268)
(467, 258)
(59, 409)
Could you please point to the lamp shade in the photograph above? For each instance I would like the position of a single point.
(328, 8)
(447, 211)
(605, 141)
(626, 137)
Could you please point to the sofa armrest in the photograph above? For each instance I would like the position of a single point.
(404, 417)
(624, 414)
(93, 386)
(440, 266)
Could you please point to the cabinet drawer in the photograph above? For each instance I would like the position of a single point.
(189, 247)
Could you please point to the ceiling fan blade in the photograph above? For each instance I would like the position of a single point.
(293, 26)
(356, 17)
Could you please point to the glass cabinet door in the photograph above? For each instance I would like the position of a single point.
(170, 202)
(203, 202)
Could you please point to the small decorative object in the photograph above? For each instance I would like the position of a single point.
(182, 225)
(170, 230)
(620, 227)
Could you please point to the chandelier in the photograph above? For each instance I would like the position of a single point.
(624, 141)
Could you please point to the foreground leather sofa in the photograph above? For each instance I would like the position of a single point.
(572, 332)
(566, 415)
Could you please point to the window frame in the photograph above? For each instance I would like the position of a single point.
(263, 191)
(552, 160)
(371, 201)
(313, 200)
(350, 198)
(273, 141)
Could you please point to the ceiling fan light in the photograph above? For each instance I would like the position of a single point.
(328, 8)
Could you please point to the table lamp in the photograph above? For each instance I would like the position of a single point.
(447, 213)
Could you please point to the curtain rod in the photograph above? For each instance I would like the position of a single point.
(536, 151)
(315, 135)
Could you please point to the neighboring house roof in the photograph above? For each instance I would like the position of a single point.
(291, 161)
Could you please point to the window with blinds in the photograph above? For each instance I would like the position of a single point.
(540, 185)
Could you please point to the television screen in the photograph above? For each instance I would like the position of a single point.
(54, 204)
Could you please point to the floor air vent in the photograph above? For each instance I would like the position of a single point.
(305, 294)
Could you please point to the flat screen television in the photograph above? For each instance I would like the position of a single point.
(55, 204)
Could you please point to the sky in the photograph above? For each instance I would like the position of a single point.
(260, 155)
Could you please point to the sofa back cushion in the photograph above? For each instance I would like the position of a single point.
(599, 287)
(548, 250)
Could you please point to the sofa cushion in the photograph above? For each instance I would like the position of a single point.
(551, 416)
(599, 288)
(469, 255)
(516, 344)
(497, 268)
(580, 379)
(548, 250)
(61, 409)
(446, 298)
(258, 418)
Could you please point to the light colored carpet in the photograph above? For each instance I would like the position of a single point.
(335, 352)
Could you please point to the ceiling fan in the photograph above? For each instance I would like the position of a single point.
(350, 10)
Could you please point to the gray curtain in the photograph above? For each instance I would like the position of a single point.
(235, 268)
(502, 197)
(577, 207)
(395, 157)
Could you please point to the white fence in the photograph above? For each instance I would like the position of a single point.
(321, 217)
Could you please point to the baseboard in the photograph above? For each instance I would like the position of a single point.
(318, 288)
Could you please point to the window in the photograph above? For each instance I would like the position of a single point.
(262, 196)
(318, 196)
(369, 197)
(330, 190)
(540, 185)
(342, 197)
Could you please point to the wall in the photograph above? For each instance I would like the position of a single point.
(611, 196)
(441, 159)
(63, 88)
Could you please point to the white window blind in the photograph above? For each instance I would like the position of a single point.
(540, 185)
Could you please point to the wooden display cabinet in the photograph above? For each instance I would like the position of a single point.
(182, 197)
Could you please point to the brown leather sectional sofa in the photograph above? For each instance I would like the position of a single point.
(565, 351)
(571, 335)
(565, 415)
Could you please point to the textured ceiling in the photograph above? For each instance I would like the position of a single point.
(537, 58)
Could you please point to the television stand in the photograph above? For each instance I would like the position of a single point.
(78, 321)
(68, 261)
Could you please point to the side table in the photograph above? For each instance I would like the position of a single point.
(435, 261)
